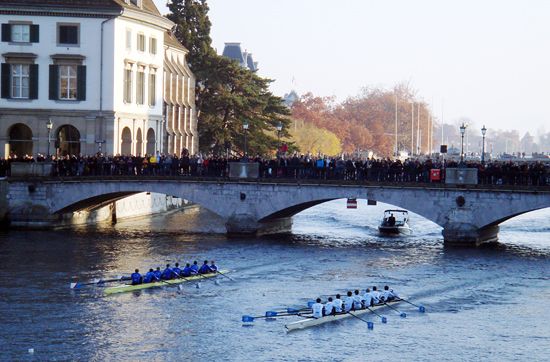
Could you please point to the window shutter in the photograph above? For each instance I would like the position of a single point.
(6, 80)
(54, 82)
(81, 83)
(6, 32)
(33, 81)
(34, 36)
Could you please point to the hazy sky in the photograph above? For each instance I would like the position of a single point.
(488, 61)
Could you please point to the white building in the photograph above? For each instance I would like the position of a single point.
(95, 69)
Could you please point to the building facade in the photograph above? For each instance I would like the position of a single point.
(87, 76)
(244, 58)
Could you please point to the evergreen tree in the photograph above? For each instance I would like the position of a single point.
(227, 93)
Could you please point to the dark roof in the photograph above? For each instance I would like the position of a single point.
(170, 40)
(233, 51)
(148, 6)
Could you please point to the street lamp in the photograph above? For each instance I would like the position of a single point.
(483, 131)
(279, 129)
(245, 127)
(49, 126)
(462, 131)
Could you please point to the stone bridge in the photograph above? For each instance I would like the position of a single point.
(467, 214)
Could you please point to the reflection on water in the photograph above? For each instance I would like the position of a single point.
(482, 303)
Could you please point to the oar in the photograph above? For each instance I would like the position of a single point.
(227, 276)
(401, 314)
(421, 308)
(370, 325)
(384, 319)
(269, 314)
(97, 282)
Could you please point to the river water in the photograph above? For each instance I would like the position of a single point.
(489, 303)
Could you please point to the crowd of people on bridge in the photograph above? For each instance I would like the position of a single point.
(295, 166)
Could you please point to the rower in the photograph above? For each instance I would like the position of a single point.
(375, 295)
(136, 277)
(205, 269)
(150, 276)
(317, 309)
(194, 268)
(348, 302)
(213, 267)
(186, 271)
(337, 304)
(357, 300)
(329, 307)
(168, 273)
(176, 270)
(388, 294)
(158, 273)
(369, 301)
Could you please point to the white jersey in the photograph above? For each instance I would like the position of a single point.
(357, 299)
(329, 306)
(317, 310)
(376, 296)
(348, 303)
(385, 295)
(337, 303)
(368, 298)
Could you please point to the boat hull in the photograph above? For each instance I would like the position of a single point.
(130, 288)
(394, 230)
(310, 322)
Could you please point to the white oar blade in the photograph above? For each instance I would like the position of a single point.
(73, 285)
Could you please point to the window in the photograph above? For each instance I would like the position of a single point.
(20, 81)
(67, 82)
(140, 87)
(141, 42)
(68, 34)
(153, 46)
(128, 85)
(128, 39)
(152, 89)
(20, 33)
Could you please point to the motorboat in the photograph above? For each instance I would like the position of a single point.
(395, 222)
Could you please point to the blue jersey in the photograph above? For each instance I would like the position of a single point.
(177, 272)
(149, 277)
(186, 271)
(204, 269)
(157, 274)
(194, 269)
(168, 273)
(214, 267)
(136, 278)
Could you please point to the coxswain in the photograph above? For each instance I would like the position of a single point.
(317, 309)
(348, 302)
(167, 273)
(194, 268)
(337, 304)
(329, 307)
(136, 277)
(149, 277)
(369, 301)
(176, 270)
(357, 300)
(158, 274)
(213, 266)
(388, 294)
(186, 271)
(375, 295)
(205, 269)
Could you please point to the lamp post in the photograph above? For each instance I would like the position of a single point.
(483, 131)
(49, 126)
(462, 131)
(245, 127)
(279, 129)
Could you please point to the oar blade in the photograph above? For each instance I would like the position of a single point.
(270, 314)
(74, 286)
(403, 315)
(247, 319)
(421, 309)
(384, 320)
(370, 325)
(292, 311)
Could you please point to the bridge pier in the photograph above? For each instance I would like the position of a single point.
(469, 235)
(239, 225)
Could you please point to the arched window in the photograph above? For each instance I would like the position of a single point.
(20, 140)
(68, 140)
(150, 141)
(126, 145)
(139, 142)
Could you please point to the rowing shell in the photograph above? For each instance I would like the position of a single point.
(130, 288)
(310, 322)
